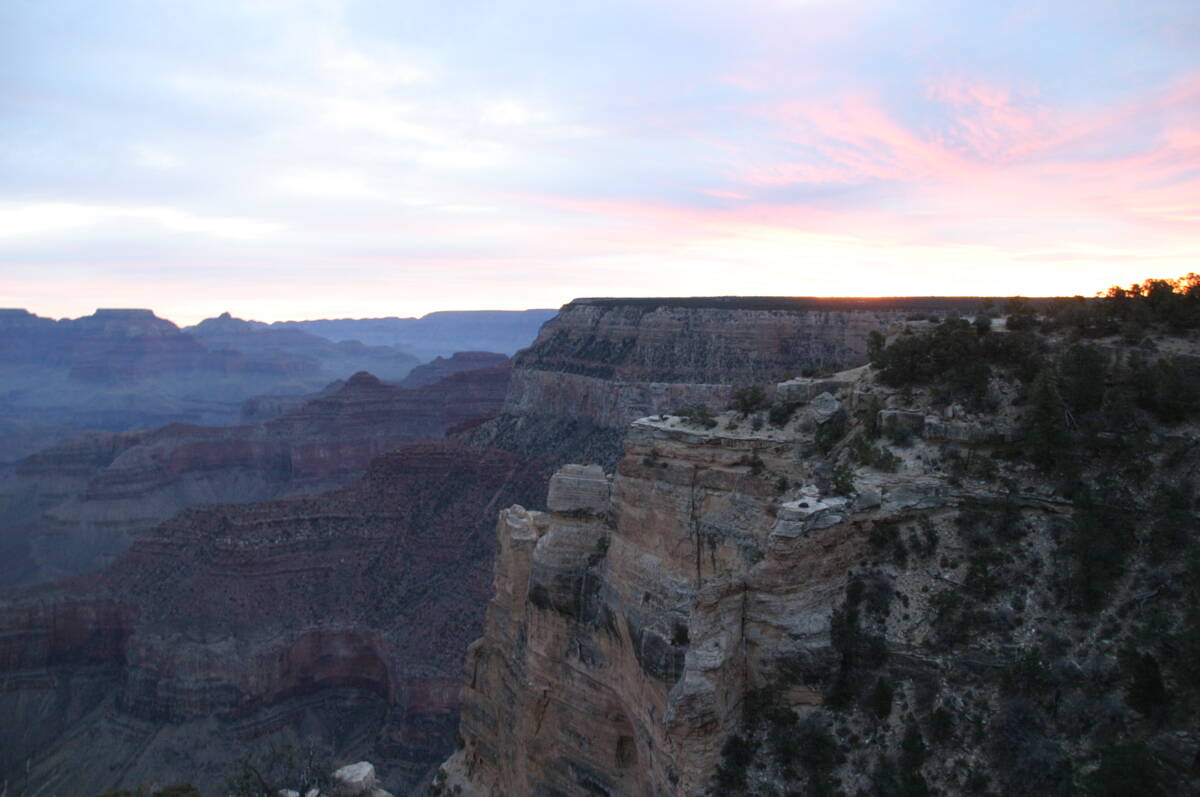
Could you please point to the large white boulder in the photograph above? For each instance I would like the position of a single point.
(358, 780)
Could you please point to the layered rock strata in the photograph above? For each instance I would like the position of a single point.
(441, 367)
(626, 631)
(122, 369)
(340, 617)
(602, 363)
(610, 361)
(75, 506)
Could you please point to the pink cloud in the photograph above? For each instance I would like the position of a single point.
(1006, 192)
(988, 122)
(857, 140)
(999, 153)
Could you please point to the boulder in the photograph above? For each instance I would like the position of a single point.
(360, 775)
(579, 488)
(358, 780)
(824, 406)
(813, 513)
(907, 497)
(867, 499)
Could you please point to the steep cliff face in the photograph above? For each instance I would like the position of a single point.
(339, 617)
(625, 633)
(74, 507)
(602, 363)
(610, 361)
(876, 593)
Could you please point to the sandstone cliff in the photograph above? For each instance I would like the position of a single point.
(602, 363)
(625, 631)
(877, 593)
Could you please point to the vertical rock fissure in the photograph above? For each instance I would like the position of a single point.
(540, 711)
(694, 517)
(742, 641)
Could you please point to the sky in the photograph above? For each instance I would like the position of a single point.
(288, 159)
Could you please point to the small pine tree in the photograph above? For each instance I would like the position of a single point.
(1084, 370)
(1098, 544)
(1147, 693)
(880, 699)
(749, 399)
(1046, 437)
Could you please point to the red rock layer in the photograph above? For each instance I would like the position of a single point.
(247, 613)
(441, 367)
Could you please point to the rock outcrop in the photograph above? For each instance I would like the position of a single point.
(602, 363)
(624, 633)
(579, 488)
(358, 780)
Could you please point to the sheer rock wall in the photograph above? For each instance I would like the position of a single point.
(610, 362)
(623, 638)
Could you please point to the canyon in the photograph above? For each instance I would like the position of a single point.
(338, 618)
(77, 505)
(662, 595)
(437, 334)
(125, 369)
(176, 641)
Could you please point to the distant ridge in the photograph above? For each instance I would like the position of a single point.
(928, 303)
(437, 334)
